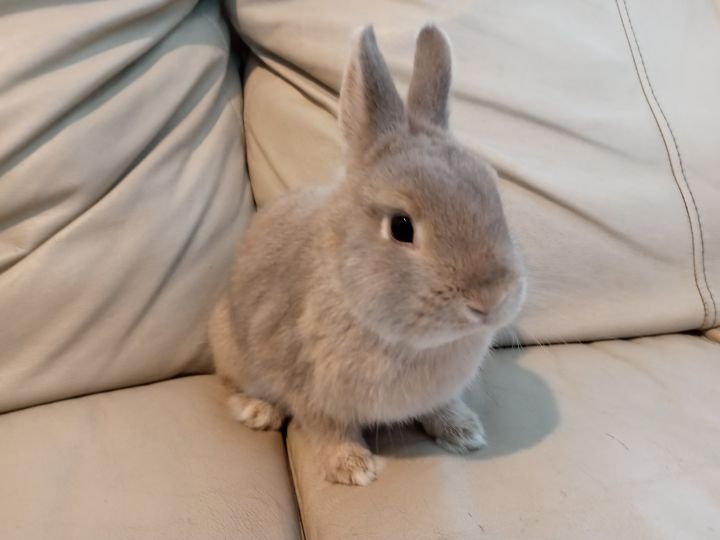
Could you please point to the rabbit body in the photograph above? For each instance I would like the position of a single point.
(373, 299)
(292, 339)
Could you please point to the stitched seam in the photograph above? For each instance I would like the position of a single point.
(684, 174)
(707, 316)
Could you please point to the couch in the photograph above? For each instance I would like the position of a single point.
(138, 136)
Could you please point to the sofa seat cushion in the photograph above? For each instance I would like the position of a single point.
(617, 439)
(612, 197)
(163, 461)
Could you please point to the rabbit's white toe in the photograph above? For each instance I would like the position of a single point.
(456, 428)
(254, 413)
(351, 464)
(462, 440)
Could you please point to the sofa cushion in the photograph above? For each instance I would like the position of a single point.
(163, 461)
(676, 55)
(621, 240)
(122, 191)
(616, 439)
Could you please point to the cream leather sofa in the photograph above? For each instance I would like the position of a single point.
(124, 135)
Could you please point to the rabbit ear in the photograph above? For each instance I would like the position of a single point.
(369, 102)
(430, 84)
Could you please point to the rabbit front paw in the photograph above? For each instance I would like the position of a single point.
(456, 428)
(255, 413)
(351, 464)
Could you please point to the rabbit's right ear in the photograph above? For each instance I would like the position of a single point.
(370, 105)
(430, 83)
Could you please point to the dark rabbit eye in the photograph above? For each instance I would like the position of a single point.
(401, 228)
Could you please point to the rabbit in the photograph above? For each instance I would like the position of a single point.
(373, 299)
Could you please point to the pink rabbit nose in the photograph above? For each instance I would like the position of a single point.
(488, 302)
(477, 311)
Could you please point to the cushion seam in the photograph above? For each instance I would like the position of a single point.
(296, 487)
(709, 318)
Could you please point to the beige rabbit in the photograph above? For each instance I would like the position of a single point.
(373, 299)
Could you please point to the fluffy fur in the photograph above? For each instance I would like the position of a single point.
(328, 319)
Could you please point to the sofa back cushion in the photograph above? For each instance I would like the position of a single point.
(601, 118)
(122, 191)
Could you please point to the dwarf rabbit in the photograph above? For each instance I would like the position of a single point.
(373, 299)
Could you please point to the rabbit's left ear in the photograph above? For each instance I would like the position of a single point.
(370, 105)
(430, 84)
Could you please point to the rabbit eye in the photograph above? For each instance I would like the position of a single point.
(401, 228)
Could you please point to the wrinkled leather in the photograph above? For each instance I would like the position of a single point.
(163, 461)
(122, 191)
(616, 439)
(619, 238)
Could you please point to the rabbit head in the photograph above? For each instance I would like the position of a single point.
(424, 252)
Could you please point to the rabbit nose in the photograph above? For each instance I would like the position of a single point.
(476, 312)
(482, 307)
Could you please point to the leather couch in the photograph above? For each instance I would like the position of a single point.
(135, 138)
